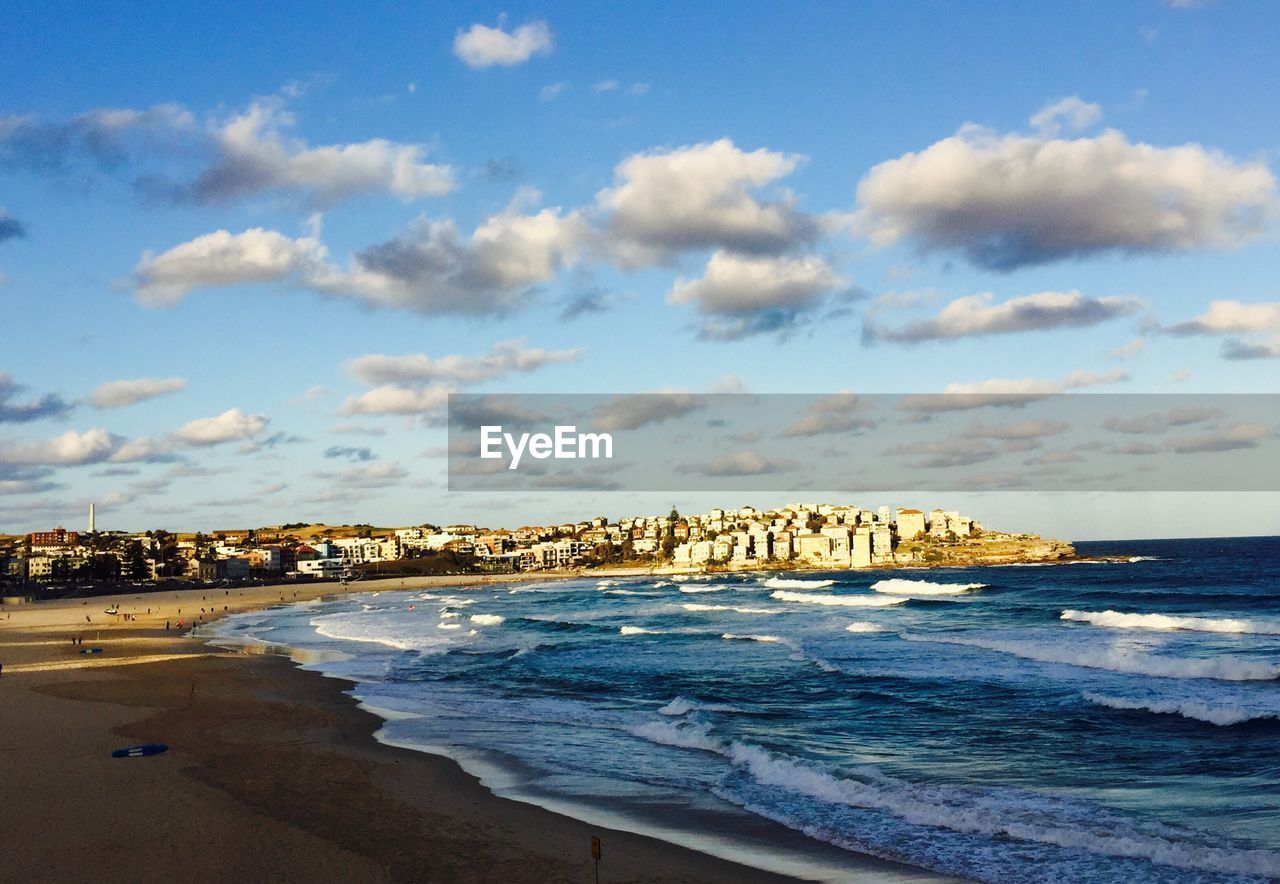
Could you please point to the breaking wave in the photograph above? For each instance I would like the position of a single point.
(863, 626)
(1116, 659)
(733, 636)
(847, 601)
(1222, 714)
(1119, 620)
(683, 706)
(789, 583)
(898, 586)
(487, 619)
(696, 607)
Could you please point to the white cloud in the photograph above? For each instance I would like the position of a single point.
(481, 46)
(222, 258)
(256, 155)
(1078, 379)
(604, 86)
(745, 295)
(72, 448)
(976, 315)
(232, 425)
(396, 399)
(431, 268)
(700, 196)
(1259, 320)
(507, 357)
(1007, 201)
(1070, 112)
(1130, 350)
(118, 394)
(1002, 392)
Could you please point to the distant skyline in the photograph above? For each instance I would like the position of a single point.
(245, 256)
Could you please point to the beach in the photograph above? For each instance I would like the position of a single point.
(272, 772)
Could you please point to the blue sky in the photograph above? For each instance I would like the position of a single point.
(233, 207)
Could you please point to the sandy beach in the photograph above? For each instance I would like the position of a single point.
(272, 773)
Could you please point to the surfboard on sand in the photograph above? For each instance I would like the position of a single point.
(91, 650)
(140, 751)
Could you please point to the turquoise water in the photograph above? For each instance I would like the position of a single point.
(1091, 722)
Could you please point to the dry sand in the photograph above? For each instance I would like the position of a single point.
(272, 772)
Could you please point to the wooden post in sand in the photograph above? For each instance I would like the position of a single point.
(595, 855)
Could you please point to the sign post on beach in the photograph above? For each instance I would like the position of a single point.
(595, 855)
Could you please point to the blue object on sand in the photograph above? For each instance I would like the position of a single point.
(139, 751)
(91, 650)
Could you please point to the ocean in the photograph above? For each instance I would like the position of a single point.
(1071, 722)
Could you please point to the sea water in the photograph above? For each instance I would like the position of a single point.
(1114, 721)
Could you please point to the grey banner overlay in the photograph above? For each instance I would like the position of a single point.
(847, 442)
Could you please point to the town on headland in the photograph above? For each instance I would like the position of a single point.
(792, 537)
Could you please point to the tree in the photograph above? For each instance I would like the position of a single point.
(136, 565)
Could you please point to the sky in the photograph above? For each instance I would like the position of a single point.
(245, 256)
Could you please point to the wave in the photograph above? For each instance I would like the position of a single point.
(629, 592)
(696, 607)
(449, 615)
(898, 586)
(996, 813)
(693, 589)
(1116, 659)
(733, 636)
(849, 601)
(789, 583)
(360, 627)
(682, 735)
(1222, 714)
(636, 630)
(1144, 558)
(662, 583)
(683, 706)
(863, 626)
(604, 583)
(1119, 620)
(487, 619)
(448, 626)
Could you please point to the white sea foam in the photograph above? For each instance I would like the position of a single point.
(636, 630)
(361, 627)
(629, 592)
(863, 626)
(662, 583)
(733, 636)
(1119, 659)
(682, 735)
(1119, 620)
(898, 586)
(1144, 558)
(487, 619)
(448, 626)
(449, 615)
(1221, 714)
(683, 706)
(604, 583)
(691, 606)
(680, 578)
(692, 589)
(790, 583)
(1018, 815)
(846, 601)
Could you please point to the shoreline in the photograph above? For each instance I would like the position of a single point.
(204, 703)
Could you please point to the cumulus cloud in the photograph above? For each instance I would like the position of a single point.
(118, 394)
(397, 399)
(977, 315)
(642, 409)
(1161, 422)
(481, 46)
(1234, 438)
(738, 463)
(838, 413)
(1259, 320)
(102, 137)
(432, 268)
(72, 448)
(233, 425)
(10, 227)
(254, 154)
(1007, 201)
(222, 259)
(14, 412)
(699, 197)
(742, 295)
(507, 357)
(1000, 393)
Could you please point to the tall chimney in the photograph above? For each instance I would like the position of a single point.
(92, 528)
